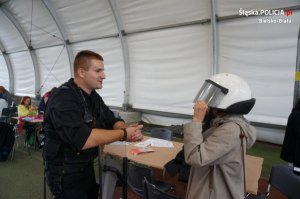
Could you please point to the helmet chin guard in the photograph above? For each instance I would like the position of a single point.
(227, 92)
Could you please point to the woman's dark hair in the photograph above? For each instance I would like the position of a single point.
(297, 106)
(2, 89)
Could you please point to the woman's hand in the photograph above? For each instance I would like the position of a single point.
(200, 109)
(33, 108)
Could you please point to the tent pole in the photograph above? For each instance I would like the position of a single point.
(125, 52)
(215, 68)
(297, 73)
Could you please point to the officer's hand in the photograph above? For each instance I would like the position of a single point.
(133, 124)
(134, 133)
(200, 109)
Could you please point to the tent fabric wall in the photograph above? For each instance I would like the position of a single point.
(41, 29)
(265, 55)
(231, 7)
(144, 14)
(168, 67)
(95, 19)
(54, 68)
(24, 73)
(169, 45)
(4, 77)
(10, 38)
(111, 51)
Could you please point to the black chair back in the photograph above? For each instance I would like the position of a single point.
(162, 133)
(5, 115)
(136, 175)
(285, 181)
(13, 111)
(152, 192)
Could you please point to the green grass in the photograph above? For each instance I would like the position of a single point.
(270, 153)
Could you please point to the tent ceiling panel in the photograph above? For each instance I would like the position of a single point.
(3, 1)
(54, 67)
(36, 21)
(144, 14)
(85, 20)
(24, 73)
(168, 67)
(170, 52)
(266, 57)
(111, 50)
(9, 36)
(4, 77)
(232, 7)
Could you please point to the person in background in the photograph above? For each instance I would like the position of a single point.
(6, 95)
(25, 108)
(44, 100)
(3, 104)
(76, 123)
(42, 109)
(290, 151)
(216, 155)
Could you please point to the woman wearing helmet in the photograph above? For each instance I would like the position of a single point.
(215, 154)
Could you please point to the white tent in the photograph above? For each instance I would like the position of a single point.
(157, 53)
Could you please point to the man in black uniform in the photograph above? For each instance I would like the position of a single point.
(76, 122)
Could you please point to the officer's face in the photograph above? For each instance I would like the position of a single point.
(94, 76)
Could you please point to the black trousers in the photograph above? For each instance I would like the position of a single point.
(77, 185)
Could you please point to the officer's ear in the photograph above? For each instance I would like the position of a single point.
(81, 72)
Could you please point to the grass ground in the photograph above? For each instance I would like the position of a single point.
(270, 153)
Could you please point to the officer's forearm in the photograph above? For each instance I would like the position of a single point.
(119, 125)
(101, 137)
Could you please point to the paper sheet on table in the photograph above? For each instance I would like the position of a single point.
(119, 143)
(155, 142)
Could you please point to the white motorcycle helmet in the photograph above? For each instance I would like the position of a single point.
(227, 92)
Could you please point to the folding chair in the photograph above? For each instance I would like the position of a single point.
(161, 133)
(285, 181)
(136, 175)
(18, 134)
(13, 111)
(5, 115)
(152, 192)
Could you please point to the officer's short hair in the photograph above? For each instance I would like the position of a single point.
(82, 59)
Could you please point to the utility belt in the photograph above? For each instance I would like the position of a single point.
(63, 160)
(66, 169)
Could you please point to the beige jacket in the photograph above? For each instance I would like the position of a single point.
(216, 158)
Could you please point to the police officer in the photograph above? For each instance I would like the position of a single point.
(76, 122)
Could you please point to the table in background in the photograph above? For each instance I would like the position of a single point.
(37, 121)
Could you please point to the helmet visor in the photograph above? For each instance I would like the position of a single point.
(211, 93)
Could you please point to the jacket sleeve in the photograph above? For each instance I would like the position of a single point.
(209, 151)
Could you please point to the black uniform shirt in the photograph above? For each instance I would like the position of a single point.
(64, 118)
